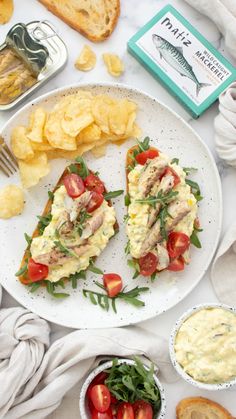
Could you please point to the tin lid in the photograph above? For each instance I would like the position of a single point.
(41, 48)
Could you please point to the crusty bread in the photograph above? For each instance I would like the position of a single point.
(95, 19)
(201, 408)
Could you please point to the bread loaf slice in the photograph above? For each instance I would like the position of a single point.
(95, 19)
(199, 408)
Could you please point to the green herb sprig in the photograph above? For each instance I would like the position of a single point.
(134, 265)
(161, 198)
(43, 222)
(129, 383)
(105, 302)
(113, 194)
(195, 189)
(82, 170)
(194, 237)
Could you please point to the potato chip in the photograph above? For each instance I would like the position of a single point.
(36, 125)
(89, 134)
(11, 201)
(100, 109)
(54, 133)
(114, 65)
(44, 146)
(33, 170)
(20, 144)
(6, 10)
(86, 60)
(77, 116)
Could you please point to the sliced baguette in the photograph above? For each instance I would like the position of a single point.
(95, 19)
(199, 408)
(24, 279)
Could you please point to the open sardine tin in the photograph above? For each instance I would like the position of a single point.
(172, 50)
(29, 57)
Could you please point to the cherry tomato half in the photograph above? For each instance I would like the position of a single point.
(177, 244)
(37, 271)
(170, 171)
(100, 415)
(74, 185)
(93, 183)
(113, 284)
(148, 264)
(95, 201)
(99, 379)
(142, 410)
(100, 397)
(142, 158)
(125, 411)
(176, 264)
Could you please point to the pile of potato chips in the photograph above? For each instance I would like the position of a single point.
(78, 123)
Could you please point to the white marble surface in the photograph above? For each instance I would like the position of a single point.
(133, 15)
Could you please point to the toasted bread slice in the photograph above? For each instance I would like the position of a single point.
(95, 19)
(24, 279)
(199, 407)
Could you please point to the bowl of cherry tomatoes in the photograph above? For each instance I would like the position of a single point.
(122, 389)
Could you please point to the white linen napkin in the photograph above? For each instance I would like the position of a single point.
(225, 126)
(223, 272)
(223, 13)
(34, 378)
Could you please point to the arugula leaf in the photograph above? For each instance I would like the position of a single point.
(127, 200)
(43, 222)
(28, 239)
(153, 276)
(103, 300)
(75, 277)
(113, 194)
(50, 195)
(144, 145)
(129, 383)
(174, 160)
(22, 270)
(195, 189)
(161, 198)
(73, 168)
(34, 286)
(80, 224)
(188, 170)
(163, 214)
(50, 287)
(135, 265)
(94, 269)
(194, 238)
(83, 169)
(64, 249)
(126, 218)
(127, 248)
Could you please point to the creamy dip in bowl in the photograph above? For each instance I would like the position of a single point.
(203, 346)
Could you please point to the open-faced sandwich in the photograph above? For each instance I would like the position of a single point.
(75, 227)
(162, 211)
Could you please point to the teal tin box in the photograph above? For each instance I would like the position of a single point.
(174, 52)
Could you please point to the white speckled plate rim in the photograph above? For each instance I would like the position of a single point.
(165, 293)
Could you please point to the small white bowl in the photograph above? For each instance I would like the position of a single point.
(178, 367)
(84, 412)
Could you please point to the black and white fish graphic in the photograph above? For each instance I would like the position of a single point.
(174, 57)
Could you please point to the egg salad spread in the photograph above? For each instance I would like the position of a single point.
(162, 211)
(205, 345)
(93, 245)
(76, 226)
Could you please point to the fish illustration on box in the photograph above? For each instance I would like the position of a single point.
(175, 58)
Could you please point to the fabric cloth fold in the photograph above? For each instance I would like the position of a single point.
(225, 126)
(34, 377)
(223, 271)
(223, 14)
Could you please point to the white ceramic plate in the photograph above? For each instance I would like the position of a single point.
(170, 134)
